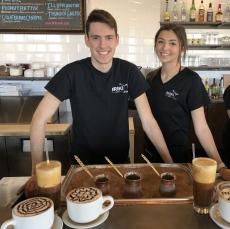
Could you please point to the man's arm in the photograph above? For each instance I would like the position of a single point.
(228, 112)
(42, 114)
(151, 127)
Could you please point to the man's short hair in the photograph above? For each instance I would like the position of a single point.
(102, 16)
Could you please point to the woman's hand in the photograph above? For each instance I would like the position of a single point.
(225, 173)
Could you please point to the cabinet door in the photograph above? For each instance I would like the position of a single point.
(19, 162)
(3, 159)
(217, 118)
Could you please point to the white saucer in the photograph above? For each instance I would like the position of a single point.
(215, 215)
(58, 224)
(101, 219)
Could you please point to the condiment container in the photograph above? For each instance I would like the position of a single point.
(16, 70)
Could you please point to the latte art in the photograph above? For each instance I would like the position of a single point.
(84, 194)
(226, 193)
(32, 206)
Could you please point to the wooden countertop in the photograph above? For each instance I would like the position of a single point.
(11, 129)
(148, 216)
(131, 126)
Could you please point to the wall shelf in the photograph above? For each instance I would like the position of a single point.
(24, 78)
(208, 68)
(208, 47)
(203, 25)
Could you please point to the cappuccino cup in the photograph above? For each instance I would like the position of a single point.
(86, 204)
(36, 213)
(223, 190)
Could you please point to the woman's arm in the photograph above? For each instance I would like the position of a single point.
(151, 127)
(204, 134)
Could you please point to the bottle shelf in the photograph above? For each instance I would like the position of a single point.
(201, 25)
(208, 68)
(208, 47)
(24, 78)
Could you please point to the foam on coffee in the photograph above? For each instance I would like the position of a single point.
(203, 170)
(84, 195)
(33, 206)
(48, 174)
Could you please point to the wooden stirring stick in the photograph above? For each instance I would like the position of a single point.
(83, 166)
(114, 167)
(150, 164)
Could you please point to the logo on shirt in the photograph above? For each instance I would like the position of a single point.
(121, 88)
(171, 94)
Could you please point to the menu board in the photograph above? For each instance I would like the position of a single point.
(38, 16)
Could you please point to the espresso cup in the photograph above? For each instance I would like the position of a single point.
(223, 190)
(36, 213)
(204, 176)
(167, 184)
(102, 182)
(86, 204)
(132, 185)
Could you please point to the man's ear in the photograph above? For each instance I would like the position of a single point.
(86, 40)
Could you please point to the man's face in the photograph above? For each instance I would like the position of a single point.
(102, 42)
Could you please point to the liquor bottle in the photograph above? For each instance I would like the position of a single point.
(175, 11)
(221, 86)
(192, 12)
(227, 14)
(219, 14)
(210, 13)
(214, 89)
(183, 12)
(166, 15)
(201, 12)
(206, 85)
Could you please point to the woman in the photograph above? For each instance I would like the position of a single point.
(226, 132)
(176, 97)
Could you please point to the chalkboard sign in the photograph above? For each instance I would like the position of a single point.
(38, 16)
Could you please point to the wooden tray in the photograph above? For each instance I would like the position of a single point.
(77, 177)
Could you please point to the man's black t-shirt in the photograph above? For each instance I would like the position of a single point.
(99, 103)
(171, 104)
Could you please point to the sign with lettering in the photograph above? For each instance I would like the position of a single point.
(38, 16)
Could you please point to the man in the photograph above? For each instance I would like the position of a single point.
(98, 89)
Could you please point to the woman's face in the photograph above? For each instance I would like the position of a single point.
(167, 47)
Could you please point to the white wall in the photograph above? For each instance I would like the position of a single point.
(137, 21)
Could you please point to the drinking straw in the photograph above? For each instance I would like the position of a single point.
(193, 150)
(113, 166)
(47, 152)
(83, 166)
(150, 164)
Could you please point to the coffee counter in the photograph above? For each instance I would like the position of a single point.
(164, 216)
